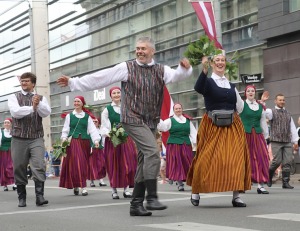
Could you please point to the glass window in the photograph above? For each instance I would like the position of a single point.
(294, 5)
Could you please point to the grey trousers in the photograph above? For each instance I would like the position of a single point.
(282, 154)
(28, 151)
(148, 153)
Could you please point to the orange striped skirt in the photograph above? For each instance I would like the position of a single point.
(222, 160)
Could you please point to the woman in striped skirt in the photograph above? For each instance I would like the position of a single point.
(256, 128)
(179, 151)
(80, 126)
(97, 170)
(6, 164)
(121, 161)
(222, 160)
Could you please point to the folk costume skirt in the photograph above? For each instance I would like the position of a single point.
(74, 169)
(179, 158)
(259, 157)
(222, 160)
(97, 168)
(6, 168)
(121, 163)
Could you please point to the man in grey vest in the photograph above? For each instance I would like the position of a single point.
(27, 146)
(283, 135)
(142, 85)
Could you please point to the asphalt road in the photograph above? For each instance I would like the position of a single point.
(278, 211)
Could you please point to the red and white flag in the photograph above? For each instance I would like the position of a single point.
(166, 112)
(205, 14)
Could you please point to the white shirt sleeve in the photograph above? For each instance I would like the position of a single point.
(16, 110)
(66, 128)
(239, 102)
(193, 134)
(164, 125)
(105, 124)
(43, 108)
(100, 79)
(294, 133)
(269, 114)
(264, 125)
(93, 131)
(0, 138)
(174, 75)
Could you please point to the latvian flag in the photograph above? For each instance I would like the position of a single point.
(205, 14)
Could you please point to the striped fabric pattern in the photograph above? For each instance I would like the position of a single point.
(142, 94)
(97, 168)
(121, 163)
(222, 159)
(30, 126)
(259, 157)
(6, 168)
(179, 159)
(74, 169)
(280, 126)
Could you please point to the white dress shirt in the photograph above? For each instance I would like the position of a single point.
(294, 134)
(6, 134)
(91, 128)
(166, 126)
(18, 112)
(119, 73)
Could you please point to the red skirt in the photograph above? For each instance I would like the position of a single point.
(74, 169)
(6, 168)
(121, 163)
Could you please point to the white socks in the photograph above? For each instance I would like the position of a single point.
(195, 196)
(236, 197)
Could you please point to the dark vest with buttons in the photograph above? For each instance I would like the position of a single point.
(30, 126)
(251, 119)
(142, 94)
(280, 126)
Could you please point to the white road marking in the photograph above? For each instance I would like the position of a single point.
(280, 216)
(191, 226)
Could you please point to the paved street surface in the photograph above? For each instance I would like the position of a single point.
(278, 211)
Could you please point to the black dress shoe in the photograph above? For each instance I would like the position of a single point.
(127, 195)
(195, 202)
(286, 185)
(102, 184)
(92, 185)
(115, 196)
(76, 191)
(259, 191)
(238, 204)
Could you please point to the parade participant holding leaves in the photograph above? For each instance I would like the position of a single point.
(222, 161)
(77, 131)
(119, 149)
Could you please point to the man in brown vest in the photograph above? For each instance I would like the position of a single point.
(143, 82)
(283, 134)
(27, 146)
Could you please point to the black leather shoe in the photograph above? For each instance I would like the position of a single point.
(115, 196)
(138, 210)
(286, 185)
(22, 202)
(259, 191)
(127, 195)
(76, 191)
(92, 184)
(5, 188)
(180, 188)
(238, 204)
(195, 202)
(102, 184)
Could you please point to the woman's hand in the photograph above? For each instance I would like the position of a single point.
(264, 96)
(96, 144)
(205, 64)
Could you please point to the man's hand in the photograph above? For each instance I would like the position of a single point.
(63, 81)
(35, 101)
(185, 63)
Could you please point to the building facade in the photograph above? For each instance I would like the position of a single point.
(88, 35)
